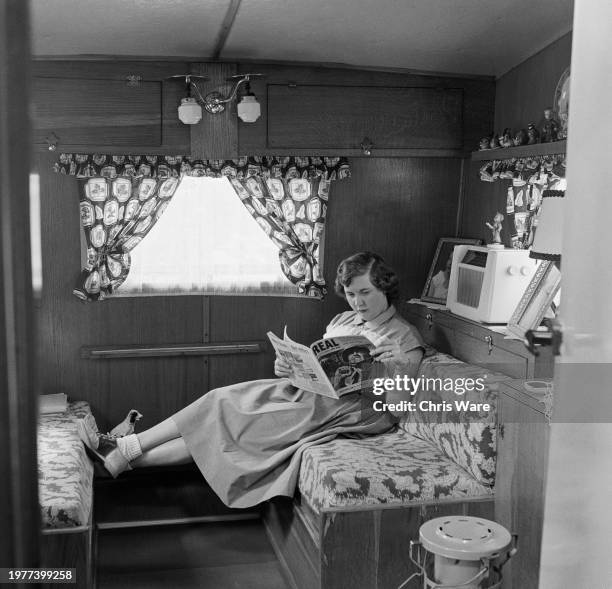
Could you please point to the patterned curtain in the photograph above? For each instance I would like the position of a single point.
(116, 214)
(528, 178)
(122, 197)
(287, 197)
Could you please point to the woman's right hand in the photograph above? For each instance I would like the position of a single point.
(281, 368)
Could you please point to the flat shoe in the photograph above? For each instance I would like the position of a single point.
(103, 450)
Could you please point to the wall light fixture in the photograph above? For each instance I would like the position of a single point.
(248, 108)
(190, 109)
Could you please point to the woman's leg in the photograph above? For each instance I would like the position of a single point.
(157, 435)
(167, 453)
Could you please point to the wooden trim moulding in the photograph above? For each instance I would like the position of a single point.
(157, 351)
(505, 153)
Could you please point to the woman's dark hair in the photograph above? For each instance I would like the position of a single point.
(381, 275)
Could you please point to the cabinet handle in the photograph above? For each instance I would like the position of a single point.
(429, 318)
(501, 430)
(489, 341)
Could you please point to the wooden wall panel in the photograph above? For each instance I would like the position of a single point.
(60, 86)
(250, 318)
(526, 90)
(156, 387)
(477, 114)
(324, 117)
(521, 96)
(107, 112)
(398, 207)
(215, 136)
(19, 511)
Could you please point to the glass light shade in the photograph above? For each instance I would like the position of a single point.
(248, 109)
(549, 228)
(189, 112)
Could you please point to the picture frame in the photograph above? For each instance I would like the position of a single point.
(536, 299)
(436, 285)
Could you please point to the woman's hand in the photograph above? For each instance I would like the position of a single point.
(281, 368)
(388, 350)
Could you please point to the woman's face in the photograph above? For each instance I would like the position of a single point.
(364, 298)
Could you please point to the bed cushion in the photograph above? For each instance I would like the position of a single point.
(65, 474)
(467, 438)
(394, 468)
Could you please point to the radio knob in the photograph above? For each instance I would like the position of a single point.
(525, 270)
(512, 270)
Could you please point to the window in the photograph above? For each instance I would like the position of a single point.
(35, 240)
(206, 242)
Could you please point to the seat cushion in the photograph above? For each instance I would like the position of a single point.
(394, 468)
(467, 438)
(65, 474)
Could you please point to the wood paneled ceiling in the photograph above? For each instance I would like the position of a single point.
(479, 37)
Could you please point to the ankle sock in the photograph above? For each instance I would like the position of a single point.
(129, 446)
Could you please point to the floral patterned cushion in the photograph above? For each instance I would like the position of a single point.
(393, 468)
(65, 474)
(467, 438)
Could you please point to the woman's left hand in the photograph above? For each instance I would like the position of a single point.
(388, 350)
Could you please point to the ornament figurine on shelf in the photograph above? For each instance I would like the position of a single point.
(485, 143)
(494, 141)
(506, 138)
(496, 229)
(520, 137)
(549, 127)
(533, 136)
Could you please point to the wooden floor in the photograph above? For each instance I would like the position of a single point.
(224, 555)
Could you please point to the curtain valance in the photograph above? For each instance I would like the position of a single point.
(540, 170)
(166, 166)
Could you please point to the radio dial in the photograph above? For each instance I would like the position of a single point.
(512, 270)
(524, 270)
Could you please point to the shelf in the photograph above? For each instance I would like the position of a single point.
(504, 153)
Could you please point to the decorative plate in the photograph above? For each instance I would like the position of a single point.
(561, 102)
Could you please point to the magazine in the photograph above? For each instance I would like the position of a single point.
(331, 367)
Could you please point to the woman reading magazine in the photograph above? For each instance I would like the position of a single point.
(247, 439)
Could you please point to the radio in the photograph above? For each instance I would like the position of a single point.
(487, 284)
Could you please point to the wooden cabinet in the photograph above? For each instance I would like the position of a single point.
(321, 117)
(522, 453)
(117, 107)
(477, 343)
(522, 445)
(310, 110)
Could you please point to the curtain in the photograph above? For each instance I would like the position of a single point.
(122, 197)
(528, 178)
(116, 214)
(288, 199)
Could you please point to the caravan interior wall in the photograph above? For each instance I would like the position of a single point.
(399, 200)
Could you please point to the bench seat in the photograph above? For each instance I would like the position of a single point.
(362, 501)
(65, 490)
(394, 468)
(65, 473)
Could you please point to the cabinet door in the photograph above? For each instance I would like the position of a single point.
(483, 352)
(97, 112)
(108, 107)
(325, 117)
(522, 452)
